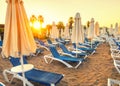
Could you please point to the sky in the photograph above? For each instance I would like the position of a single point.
(105, 12)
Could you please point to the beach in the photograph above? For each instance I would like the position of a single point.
(95, 71)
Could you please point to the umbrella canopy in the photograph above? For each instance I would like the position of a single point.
(91, 29)
(77, 32)
(66, 32)
(96, 30)
(111, 30)
(18, 38)
(116, 29)
(119, 30)
(54, 33)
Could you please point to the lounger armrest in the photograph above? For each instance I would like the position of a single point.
(82, 46)
(44, 47)
(66, 54)
(73, 49)
(117, 63)
(79, 50)
(70, 48)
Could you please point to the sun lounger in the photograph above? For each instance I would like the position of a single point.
(65, 50)
(36, 75)
(88, 50)
(63, 59)
(52, 43)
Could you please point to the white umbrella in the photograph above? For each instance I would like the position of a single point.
(96, 30)
(62, 33)
(111, 30)
(77, 32)
(116, 29)
(54, 33)
(18, 38)
(91, 29)
(66, 32)
(119, 30)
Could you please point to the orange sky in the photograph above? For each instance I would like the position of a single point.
(106, 12)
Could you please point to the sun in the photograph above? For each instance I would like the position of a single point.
(36, 25)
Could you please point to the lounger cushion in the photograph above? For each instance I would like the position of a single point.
(43, 77)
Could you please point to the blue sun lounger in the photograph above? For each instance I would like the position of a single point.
(36, 75)
(63, 59)
(88, 50)
(65, 50)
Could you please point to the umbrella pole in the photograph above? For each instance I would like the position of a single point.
(76, 40)
(24, 83)
(91, 43)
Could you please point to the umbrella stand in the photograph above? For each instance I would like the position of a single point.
(23, 74)
(25, 81)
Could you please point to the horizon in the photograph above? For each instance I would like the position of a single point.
(104, 12)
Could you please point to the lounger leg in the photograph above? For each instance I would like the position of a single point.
(45, 58)
(85, 56)
(26, 81)
(111, 82)
(65, 63)
(78, 64)
(15, 75)
(52, 84)
(3, 56)
(93, 52)
(5, 75)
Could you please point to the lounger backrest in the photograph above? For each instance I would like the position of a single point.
(16, 61)
(86, 40)
(1, 43)
(115, 42)
(41, 42)
(62, 39)
(74, 45)
(54, 51)
(62, 46)
(49, 41)
(57, 40)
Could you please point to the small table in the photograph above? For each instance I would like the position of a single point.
(55, 43)
(67, 40)
(76, 51)
(18, 69)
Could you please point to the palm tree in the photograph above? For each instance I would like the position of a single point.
(88, 24)
(70, 22)
(33, 19)
(41, 20)
(60, 26)
(48, 28)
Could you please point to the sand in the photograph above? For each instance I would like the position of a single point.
(93, 72)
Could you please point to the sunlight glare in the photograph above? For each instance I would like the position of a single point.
(36, 25)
